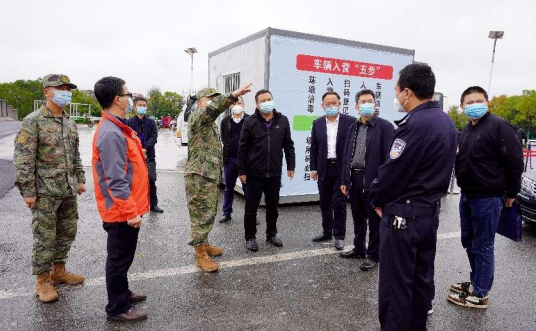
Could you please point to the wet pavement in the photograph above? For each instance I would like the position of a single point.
(301, 286)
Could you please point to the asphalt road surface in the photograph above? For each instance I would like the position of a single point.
(301, 286)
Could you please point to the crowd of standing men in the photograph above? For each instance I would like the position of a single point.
(394, 180)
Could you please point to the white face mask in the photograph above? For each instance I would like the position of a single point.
(237, 109)
(397, 105)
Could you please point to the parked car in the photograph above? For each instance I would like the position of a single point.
(527, 197)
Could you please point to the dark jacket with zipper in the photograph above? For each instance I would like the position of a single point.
(147, 132)
(380, 135)
(490, 159)
(260, 151)
(225, 129)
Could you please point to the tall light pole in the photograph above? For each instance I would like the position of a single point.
(493, 35)
(191, 51)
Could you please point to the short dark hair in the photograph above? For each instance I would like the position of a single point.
(363, 92)
(261, 92)
(139, 99)
(419, 78)
(106, 89)
(473, 89)
(331, 93)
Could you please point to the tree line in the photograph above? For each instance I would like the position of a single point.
(518, 110)
(21, 94)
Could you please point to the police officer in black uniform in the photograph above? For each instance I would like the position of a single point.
(407, 195)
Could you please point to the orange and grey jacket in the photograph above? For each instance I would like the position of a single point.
(119, 171)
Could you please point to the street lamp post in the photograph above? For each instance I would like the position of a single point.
(191, 51)
(493, 35)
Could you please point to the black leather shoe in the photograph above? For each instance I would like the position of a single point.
(352, 255)
(368, 265)
(136, 298)
(251, 245)
(225, 219)
(274, 240)
(132, 315)
(338, 244)
(322, 237)
(156, 209)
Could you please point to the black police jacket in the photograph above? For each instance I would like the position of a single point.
(490, 159)
(147, 132)
(260, 151)
(418, 170)
(225, 129)
(379, 138)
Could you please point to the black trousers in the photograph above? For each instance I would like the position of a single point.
(256, 186)
(362, 211)
(332, 203)
(152, 193)
(406, 285)
(121, 247)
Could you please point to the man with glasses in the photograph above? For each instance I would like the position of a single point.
(49, 175)
(367, 146)
(122, 192)
(328, 137)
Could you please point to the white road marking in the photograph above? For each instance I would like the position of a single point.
(190, 269)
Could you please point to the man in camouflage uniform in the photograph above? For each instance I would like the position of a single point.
(203, 170)
(49, 174)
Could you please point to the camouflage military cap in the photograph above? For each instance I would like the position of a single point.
(206, 92)
(57, 80)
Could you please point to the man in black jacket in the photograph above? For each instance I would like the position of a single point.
(230, 129)
(148, 134)
(328, 137)
(488, 169)
(367, 147)
(264, 136)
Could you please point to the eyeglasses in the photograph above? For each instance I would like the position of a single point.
(126, 95)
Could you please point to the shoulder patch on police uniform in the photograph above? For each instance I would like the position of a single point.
(397, 148)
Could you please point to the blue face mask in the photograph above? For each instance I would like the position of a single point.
(130, 105)
(141, 110)
(267, 107)
(476, 110)
(62, 98)
(366, 109)
(332, 111)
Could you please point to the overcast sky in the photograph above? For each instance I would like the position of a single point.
(143, 41)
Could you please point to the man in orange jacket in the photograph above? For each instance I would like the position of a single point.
(122, 193)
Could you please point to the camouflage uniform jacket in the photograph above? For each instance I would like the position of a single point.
(204, 145)
(47, 158)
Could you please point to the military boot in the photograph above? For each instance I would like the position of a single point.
(44, 288)
(60, 276)
(213, 250)
(203, 261)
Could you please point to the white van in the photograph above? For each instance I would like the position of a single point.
(182, 127)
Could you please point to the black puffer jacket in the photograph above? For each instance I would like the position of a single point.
(260, 151)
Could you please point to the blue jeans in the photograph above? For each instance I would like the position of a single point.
(479, 218)
(230, 173)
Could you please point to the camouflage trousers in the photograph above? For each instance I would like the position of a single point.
(202, 197)
(54, 229)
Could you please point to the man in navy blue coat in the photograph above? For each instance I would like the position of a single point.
(148, 134)
(407, 195)
(328, 137)
(367, 145)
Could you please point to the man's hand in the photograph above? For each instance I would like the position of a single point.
(509, 202)
(379, 211)
(81, 188)
(290, 174)
(144, 153)
(242, 179)
(314, 175)
(241, 91)
(135, 222)
(344, 189)
(30, 202)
